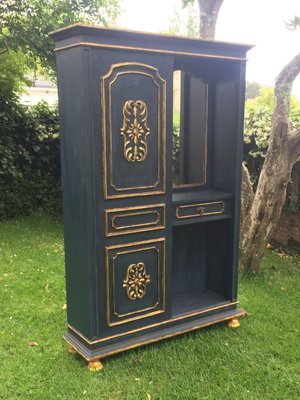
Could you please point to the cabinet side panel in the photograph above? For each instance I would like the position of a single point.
(227, 149)
(240, 128)
(77, 182)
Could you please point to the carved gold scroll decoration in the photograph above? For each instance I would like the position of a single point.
(136, 281)
(135, 130)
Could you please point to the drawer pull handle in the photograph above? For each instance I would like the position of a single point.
(201, 211)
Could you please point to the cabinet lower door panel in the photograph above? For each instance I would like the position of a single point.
(135, 281)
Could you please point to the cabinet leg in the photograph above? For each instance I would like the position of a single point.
(95, 365)
(71, 350)
(233, 323)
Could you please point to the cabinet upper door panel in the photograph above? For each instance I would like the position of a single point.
(133, 109)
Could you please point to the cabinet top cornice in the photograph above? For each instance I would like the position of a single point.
(94, 36)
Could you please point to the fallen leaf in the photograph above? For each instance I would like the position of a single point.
(46, 286)
(148, 396)
(33, 344)
(64, 307)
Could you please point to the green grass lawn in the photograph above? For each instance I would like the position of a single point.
(258, 361)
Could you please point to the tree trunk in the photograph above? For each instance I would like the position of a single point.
(209, 10)
(261, 211)
(247, 194)
(269, 197)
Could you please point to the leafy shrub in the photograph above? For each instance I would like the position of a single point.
(175, 150)
(29, 159)
(258, 117)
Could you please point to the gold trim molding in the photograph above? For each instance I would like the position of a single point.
(160, 301)
(136, 281)
(200, 207)
(185, 316)
(149, 50)
(111, 216)
(111, 191)
(154, 222)
(135, 130)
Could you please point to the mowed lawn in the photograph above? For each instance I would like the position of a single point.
(258, 361)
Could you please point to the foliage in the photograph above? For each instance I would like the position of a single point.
(259, 360)
(25, 46)
(185, 22)
(13, 74)
(29, 143)
(175, 148)
(25, 25)
(293, 23)
(258, 116)
(252, 89)
(29, 159)
(186, 3)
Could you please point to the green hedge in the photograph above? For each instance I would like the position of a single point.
(29, 160)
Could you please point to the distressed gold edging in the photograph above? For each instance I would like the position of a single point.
(134, 214)
(152, 325)
(161, 288)
(161, 129)
(148, 50)
(198, 215)
(141, 32)
(241, 314)
(140, 310)
(156, 34)
(135, 127)
(156, 183)
(162, 225)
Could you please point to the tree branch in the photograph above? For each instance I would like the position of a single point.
(294, 145)
(247, 193)
(209, 11)
(283, 88)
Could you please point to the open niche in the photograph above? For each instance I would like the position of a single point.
(203, 192)
(190, 125)
(201, 266)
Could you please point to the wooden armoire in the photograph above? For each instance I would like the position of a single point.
(151, 190)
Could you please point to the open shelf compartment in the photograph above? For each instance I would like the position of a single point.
(201, 266)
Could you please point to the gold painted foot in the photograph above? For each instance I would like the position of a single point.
(71, 350)
(233, 323)
(95, 365)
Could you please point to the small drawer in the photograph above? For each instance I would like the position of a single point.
(120, 221)
(199, 210)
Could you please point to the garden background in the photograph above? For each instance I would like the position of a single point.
(260, 360)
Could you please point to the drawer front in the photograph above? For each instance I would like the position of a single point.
(134, 219)
(135, 281)
(199, 210)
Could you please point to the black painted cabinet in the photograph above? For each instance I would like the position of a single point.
(151, 210)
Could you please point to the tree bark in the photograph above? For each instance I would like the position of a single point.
(209, 10)
(261, 211)
(269, 198)
(247, 194)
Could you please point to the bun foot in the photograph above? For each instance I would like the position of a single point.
(95, 365)
(233, 323)
(71, 350)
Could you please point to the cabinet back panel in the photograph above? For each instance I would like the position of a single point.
(218, 273)
(189, 258)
